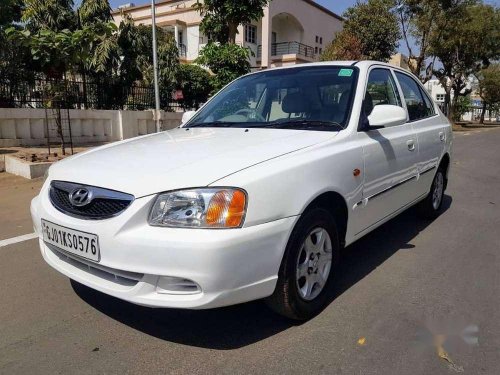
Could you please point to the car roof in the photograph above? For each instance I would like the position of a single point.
(362, 64)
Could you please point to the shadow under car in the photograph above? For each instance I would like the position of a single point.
(241, 325)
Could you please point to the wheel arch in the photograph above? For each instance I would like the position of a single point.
(335, 203)
(445, 164)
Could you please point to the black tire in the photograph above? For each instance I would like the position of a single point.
(427, 208)
(286, 299)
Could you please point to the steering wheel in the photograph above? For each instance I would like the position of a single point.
(251, 114)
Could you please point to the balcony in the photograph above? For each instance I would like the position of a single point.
(288, 48)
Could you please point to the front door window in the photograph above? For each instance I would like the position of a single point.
(381, 89)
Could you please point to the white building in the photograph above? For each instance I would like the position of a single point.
(291, 31)
(437, 92)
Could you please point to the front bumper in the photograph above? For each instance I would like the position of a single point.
(229, 266)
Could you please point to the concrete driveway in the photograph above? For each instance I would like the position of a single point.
(401, 291)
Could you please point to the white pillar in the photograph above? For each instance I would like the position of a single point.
(176, 32)
(266, 38)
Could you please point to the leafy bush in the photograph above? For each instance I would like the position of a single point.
(226, 61)
(462, 105)
(196, 85)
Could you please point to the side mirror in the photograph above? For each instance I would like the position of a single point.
(187, 116)
(386, 115)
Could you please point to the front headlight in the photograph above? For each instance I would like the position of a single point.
(200, 208)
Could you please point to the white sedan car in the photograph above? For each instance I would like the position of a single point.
(254, 196)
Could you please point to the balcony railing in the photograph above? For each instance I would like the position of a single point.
(288, 48)
(182, 50)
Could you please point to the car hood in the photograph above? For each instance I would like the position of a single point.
(180, 158)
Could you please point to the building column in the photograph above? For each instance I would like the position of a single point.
(240, 36)
(266, 38)
(176, 34)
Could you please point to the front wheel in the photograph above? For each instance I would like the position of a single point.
(306, 271)
(430, 207)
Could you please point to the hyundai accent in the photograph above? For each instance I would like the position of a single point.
(254, 195)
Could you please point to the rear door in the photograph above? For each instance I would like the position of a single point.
(430, 130)
(390, 156)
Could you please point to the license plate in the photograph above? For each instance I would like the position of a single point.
(85, 245)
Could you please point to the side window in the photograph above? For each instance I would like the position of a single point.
(418, 107)
(251, 34)
(428, 103)
(381, 89)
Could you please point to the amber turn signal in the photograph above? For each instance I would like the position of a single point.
(226, 209)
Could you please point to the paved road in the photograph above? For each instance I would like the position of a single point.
(403, 283)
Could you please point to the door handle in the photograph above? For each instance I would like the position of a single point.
(442, 136)
(411, 145)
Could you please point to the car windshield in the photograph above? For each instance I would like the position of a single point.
(310, 98)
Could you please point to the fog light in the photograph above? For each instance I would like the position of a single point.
(176, 285)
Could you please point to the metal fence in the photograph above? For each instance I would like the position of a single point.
(40, 93)
(288, 48)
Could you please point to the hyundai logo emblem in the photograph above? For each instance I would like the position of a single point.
(80, 197)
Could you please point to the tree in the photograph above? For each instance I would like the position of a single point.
(468, 44)
(463, 105)
(371, 32)
(92, 12)
(168, 60)
(104, 57)
(51, 39)
(48, 34)
(422, 23)
(54, 15)
(10, 12)
(345, 46)
(226, 61)
(16, 64)
(221, 18)
(55, 52)
(195, 83)
(489, 87)
(133, 45)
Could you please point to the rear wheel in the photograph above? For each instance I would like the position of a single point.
(307, 269)
(430, 207)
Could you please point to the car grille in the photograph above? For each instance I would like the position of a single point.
(103, 205)
(123, 278)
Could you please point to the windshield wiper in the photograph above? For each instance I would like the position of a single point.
(213, 124)
(304, 124)
(278, 124)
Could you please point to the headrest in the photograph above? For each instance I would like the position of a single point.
(344, 99)
(295, 103)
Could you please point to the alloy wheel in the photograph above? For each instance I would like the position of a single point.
(437, 194)
(314, 263)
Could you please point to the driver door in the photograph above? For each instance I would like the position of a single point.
(390, 156)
